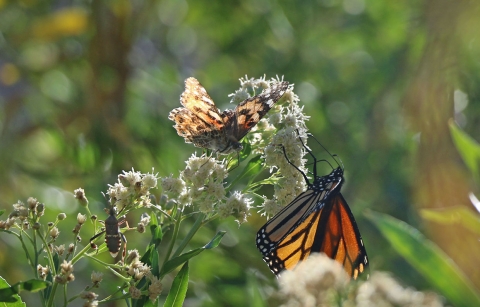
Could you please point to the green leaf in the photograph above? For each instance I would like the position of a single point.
(216, 240)
(246, 151)
(461, 216)
(147, 257)
(178, 291)
(428, 259)
(34, 285)
(155, 265)
(254, 167)
(251, 171)
(10, 293)
(153, 219)
(157, 235)
(268, 181)
(56, 261)
(173, 263)
(2, 212)
(468, 148)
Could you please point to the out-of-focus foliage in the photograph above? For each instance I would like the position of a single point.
(428, 259)
(86, 87)
(468, 149)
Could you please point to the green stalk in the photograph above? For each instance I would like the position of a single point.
(52, 294)
(174, 236)
(191, 233)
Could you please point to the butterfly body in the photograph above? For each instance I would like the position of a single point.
(317, 220)
(200, 122)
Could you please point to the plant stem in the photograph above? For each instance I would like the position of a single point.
(52, 294)
(174, 236)
(191, 233)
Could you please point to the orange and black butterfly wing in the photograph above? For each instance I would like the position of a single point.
(287, 220)
(295, 247)
(278, 237)
(317, 221)
(337, 236)
(250, 111)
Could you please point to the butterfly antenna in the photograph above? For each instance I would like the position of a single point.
(310, 153)
(289, 162)
(333, 156)
(341, 162)
(322, 160)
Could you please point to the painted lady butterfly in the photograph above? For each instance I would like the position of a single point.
(201, 123)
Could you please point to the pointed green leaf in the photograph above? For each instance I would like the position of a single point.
(10, 293)
(246, 151)
(173, 263)
(153, 219)
(178, 291)
(155, 265)
(157, 235)
(253, 168)
(216, 240)
(468, 148)
(428, 259)
(34, 285)
(268, 181)
(251, 171)
(147, 257)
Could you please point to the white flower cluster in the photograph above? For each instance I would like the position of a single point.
(202, 183)
(321, 281)
(280, 130)
(131, 189)
(237, 205)
(315, 281)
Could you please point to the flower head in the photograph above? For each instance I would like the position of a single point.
(237, 205)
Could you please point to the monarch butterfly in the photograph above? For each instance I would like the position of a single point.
(317, 220)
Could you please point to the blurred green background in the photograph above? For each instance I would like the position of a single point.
(86, 88)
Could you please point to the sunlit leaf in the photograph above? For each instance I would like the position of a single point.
(461, 216)
(156, 230)
(9, 294)
(178, 291)
(216, 240)
(253, 168)
(428, 259)
(468, 148)
(34, 285)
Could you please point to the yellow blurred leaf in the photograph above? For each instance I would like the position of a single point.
(454, 215)
(66, 22)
